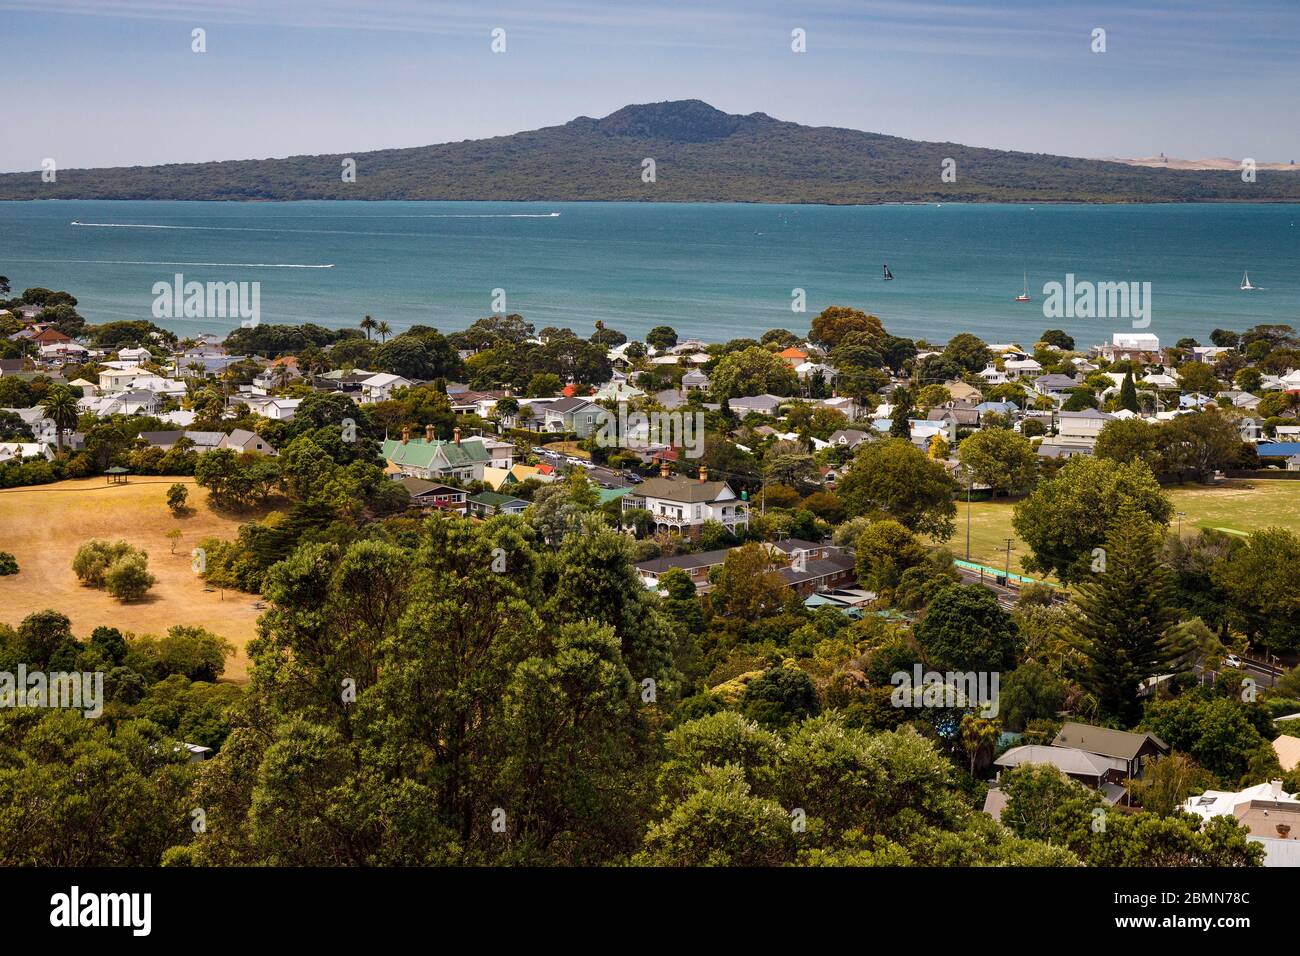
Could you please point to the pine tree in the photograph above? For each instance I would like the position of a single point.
(900, 424)
(1127, 627)
(1128, 397)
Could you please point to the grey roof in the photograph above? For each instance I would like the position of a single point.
(1055, 379)
(687, 562)
(566, 405)
(962, 416)
(850, 436)
(1054, 450)
(671, 398)
(680, 488)
(418, 487)
(1086, 413)
(162, 438)
(1103, 740)
(1078, 762)
(769, 403)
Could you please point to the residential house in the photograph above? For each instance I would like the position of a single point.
(694, 381)
(1082, 427)
(431, 495)
(1022, 367)
(25, 449)
(1096, 771)
(1287, 749)
(1132, 749)
(806, 566)
(964, 393)
(615, 391)
(670, 398)
(955, 414)
(242, 440)
(848, 437)
(1238, 399)
(140, 402)
(577, 415)
(485, 504)
(809, 371)
(42, 428)
(1270, 814)
(10, 366)
(278, 409)
(380, 387)
(1055, 385)
(769, 405)
(683, 504)
(500, 454)
(431, 459)
(793, 356)
(814, 567)
(844, 404)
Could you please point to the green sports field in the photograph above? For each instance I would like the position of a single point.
(1235, 506)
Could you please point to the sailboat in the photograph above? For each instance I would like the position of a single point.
(1024, 296)
(1245, 283)
(888, 275)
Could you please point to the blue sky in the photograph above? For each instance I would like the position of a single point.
(111, 82)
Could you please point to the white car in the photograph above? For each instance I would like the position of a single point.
(1232, 660)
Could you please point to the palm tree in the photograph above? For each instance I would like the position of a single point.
(282, 375)
(367, 324)
(60, 407)
(384, 331)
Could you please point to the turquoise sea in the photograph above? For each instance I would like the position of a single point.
(713, 271)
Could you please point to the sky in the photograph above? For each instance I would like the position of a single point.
(112, 83)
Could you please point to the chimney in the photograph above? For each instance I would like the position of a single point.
(455, 434)
(406, 434)
(704, 474)
(1283, 829)
(663, 468)
(428, 433)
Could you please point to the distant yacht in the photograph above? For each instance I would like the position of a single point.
(1245, 283)
(1024, 296)
(888, 275)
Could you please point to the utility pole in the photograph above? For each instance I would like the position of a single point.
(1007, 573)
(968, 487)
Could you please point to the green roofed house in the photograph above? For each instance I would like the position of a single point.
(485, 504)
(431, 458)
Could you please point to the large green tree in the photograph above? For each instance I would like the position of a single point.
(895, 479)
(1066, 517)
(1127, 615)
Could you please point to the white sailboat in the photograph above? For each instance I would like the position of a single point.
(1245, 283)
(1024, 296)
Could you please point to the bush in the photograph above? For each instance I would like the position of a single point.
(116, 566)
(178, 498)
(93, 559)
(8, 563)
(128, 578)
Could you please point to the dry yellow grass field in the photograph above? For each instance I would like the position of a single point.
(43, 527)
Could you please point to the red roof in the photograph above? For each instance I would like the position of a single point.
(569, 390)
